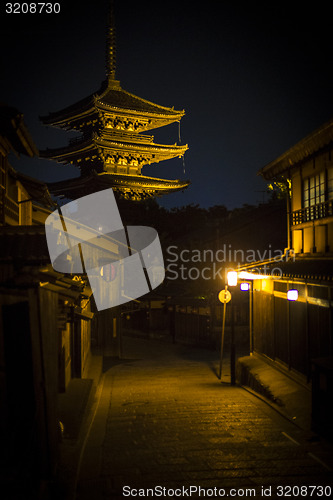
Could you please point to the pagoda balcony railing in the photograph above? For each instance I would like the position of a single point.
(125, 136)
(314, 212)
(113, 135)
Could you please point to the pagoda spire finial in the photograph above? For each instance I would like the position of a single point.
(111, 46)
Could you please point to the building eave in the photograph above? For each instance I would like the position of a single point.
(81, 186)
(61, 154)
(67, 152)
(12, 127)
(110, 100)
(315, 269)
(37, 189)
(82, 108)
(147, 108)
(304, 149)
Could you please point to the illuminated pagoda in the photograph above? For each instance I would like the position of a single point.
(111, 150)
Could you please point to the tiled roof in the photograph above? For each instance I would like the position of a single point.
(124, 100)
(317, 269)
(304, 149)
(113, 142)
(82, 106)
(115, 98)
(37, 189)
(12, 127)
(80, 186)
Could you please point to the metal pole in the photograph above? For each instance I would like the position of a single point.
(232, 348)
(251, 318)
(222, 337)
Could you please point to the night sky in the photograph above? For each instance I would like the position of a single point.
(253, 78)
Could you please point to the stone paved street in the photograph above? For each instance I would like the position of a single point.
(164, 419)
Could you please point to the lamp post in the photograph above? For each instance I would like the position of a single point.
(232, 281)
(292, 296)
(225, 297)
(247, 287)
(251, 318)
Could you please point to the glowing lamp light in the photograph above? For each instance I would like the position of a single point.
(245, 287)
(292, 294)
(232, 278)
(252, 276)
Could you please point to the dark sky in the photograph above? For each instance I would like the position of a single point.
(253, 78)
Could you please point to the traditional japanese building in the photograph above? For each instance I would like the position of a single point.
(45, 324)
(291, 302)
(23, 199)
(112, 151)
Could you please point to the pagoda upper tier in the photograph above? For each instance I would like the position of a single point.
(110, 123)
(114, 108)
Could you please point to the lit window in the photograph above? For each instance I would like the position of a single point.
(314, 190)
(330, 183)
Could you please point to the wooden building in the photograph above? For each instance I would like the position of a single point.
(23, 200)
(296, 333)
(45, 320)
(41, 337)
(308, 168)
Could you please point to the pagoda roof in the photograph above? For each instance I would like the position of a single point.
(139, 186)
(302, 151)
(114, 99)
(37, 189)
(14, 130)
(63, 154)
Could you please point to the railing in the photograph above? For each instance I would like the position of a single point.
(314, 212)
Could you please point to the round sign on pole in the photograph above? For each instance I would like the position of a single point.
(224, 296)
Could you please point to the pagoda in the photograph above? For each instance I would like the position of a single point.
(111, 150)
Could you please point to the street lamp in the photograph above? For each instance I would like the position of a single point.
(232, 281)
(292, 294)
(224, 297)
(248, 287)
(232, 278)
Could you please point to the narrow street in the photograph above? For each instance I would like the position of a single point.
(162, 419)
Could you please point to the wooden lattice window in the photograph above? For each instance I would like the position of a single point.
(314, 190)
